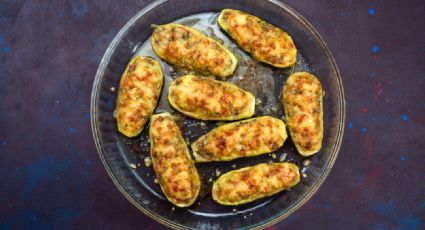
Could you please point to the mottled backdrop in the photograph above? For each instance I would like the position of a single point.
(52, 177)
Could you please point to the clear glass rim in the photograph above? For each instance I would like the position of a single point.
(261, 225)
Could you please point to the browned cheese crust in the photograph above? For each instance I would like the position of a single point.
(303, 104)
(186, 47)
(251, 183)
(245, 138)
(138, 94)
(171, 161)
(265, 42)
(208, 99)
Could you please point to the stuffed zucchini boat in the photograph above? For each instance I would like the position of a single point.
(172, 163)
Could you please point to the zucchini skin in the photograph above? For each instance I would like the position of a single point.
(303, 105)
(138, 94)
(251, 183)
(245, 138)
(207, 99)
(265, 42)
(186, 47)
(172, 163)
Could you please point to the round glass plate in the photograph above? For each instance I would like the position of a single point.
(123, 157)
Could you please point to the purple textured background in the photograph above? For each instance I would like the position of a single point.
(52, 177)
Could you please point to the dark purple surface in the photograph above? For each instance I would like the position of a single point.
(52, 177)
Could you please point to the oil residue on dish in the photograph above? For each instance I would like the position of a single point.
(263, 80)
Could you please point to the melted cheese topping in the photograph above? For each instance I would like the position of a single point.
(138, 94)
(265, 42)
(207, 99)
(186, 47)
(251, 183)
(303, 104)
(171, 161)
(246, 138)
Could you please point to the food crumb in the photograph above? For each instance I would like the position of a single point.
(172, 208)
(217, 172)
(303, 170)
(133, 166)
(250, 214)
(258, 101)
(148, 161)
(113, 89)
(244, 217)
(304, 175)
(274, 109)
(283, 157)
(274, 156)
(210, 180)
(233, 166)
(138, 164)
(306, 162)
(234, 210)
(203, 124)
(220, 123)
(147, 174)
(155, 181)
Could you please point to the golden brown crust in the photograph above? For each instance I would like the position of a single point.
(265, 42)
(251, 183)
(140, 87)
(186, 47)
(245, 138)
(208, 99)
(303, 104)
(171, 161)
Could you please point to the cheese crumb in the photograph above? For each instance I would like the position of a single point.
(148, 161)
(274, 156)
(304, 175)
(217, 172)
(233, 166)
(258, 101)
(113, 89)
(156, 181)
(306, 162)
(133, 166)
(234, 210)
(172, 208)
(283, 157)
(210, 180)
